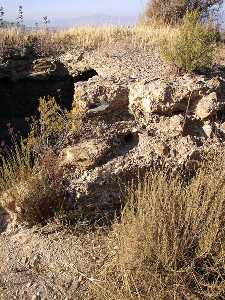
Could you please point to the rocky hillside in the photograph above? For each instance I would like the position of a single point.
(138, 113)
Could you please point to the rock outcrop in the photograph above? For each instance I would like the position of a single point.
(190, 95)
(131, 125)
(40, 69)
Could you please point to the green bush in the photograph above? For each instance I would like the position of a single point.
(54, 127)
(193, 47)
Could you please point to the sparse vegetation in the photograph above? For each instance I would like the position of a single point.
(167, 241)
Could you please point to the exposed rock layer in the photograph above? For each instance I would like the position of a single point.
(137, 125)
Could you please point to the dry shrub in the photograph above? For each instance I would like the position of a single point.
(169, 243)
(37, 198)
(172, 11)
(193, 47)
(16, 164)
(31, 179)
(31, 189)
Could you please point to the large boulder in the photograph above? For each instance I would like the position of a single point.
(186, 94)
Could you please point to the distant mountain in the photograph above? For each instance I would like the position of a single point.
(95, 20)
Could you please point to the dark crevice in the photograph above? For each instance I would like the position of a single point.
(120, 145)
(19, 99)
(84, 76)
(129, 138)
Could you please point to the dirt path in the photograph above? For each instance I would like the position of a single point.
(48, 263)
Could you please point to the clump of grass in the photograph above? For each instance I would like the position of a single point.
(193, 47)
(169, 242)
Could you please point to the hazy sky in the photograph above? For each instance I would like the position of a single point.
(36, 9)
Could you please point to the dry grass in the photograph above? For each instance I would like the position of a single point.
(31, 193)
(219, 57)
(46, 43)
(169, 243)
(143, 36)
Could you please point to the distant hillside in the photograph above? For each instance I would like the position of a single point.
(95, 20)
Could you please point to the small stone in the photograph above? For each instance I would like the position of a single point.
(35, 261)
(29, 284)
(207, 106)
(161, 149)
(176, 125)
(208, 130)
(24, 260)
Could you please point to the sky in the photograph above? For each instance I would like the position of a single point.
(36, 9)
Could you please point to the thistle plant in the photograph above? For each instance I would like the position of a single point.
(20, 18)
(46, 22)
(2, 13)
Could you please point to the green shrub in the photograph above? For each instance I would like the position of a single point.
(54, 127)
(193, 47)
